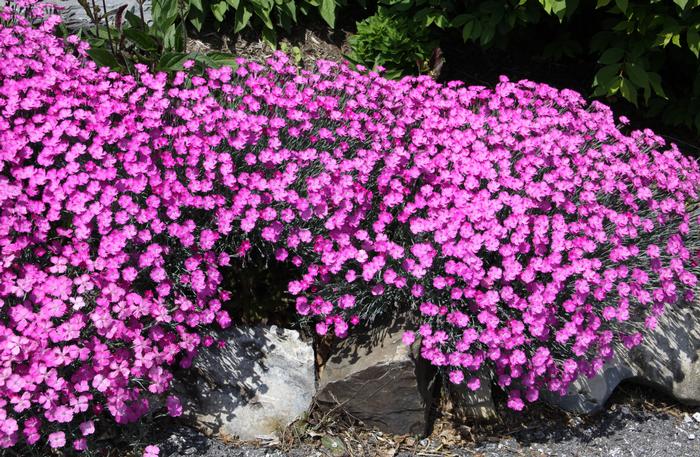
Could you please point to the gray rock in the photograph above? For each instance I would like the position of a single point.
(588, 395)
(375, 378)
(258, 384)
(75, 16)
(466, 406)
(667, 359)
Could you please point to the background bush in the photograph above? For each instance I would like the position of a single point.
(121, 39)
(645, 51)
(266, 16)
(396, 42)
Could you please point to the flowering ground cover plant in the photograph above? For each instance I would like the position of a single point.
(525, 232)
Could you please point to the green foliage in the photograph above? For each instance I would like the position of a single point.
(122, 39)
(647, 51)
(397, 43)
(294, 53)
(268, 16)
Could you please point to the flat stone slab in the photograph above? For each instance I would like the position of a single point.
(375, 378)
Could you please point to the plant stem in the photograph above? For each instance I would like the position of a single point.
(143, 20)
(109, 34)
(96, 19)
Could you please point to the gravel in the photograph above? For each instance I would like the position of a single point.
(619, 432)
(636, 423)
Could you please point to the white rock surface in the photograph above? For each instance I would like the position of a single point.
(258, 384)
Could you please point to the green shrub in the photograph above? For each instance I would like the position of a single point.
(121, 39)
(396, 42)
(645, 51)
(268, 16)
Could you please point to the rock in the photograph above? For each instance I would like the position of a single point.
(255, 386)
(75, 16)
(667, 359)
(588, 396)
(466, 406)
(375, 378)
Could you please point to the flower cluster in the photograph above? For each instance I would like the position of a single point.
(525, 232)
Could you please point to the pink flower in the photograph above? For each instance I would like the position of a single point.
(57, 440)
(515, 402)
(503, 220)
(151, 451)
(174, 406)
(321, 328)
(456, 377)
(87, 428)
(474, 384)
(408, 338)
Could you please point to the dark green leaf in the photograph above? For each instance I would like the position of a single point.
(103, 58)
(628, 90)
(142, 39)
(243, 15)
(270, 37)
(197, 19)
(263, 13)
(681, 3)
(612, 55)
(291, 9)
(467, 30)
(223, 59)
(180, 37)
(655, 81)
(693, 38)
(219, 11)
(327, 10)
(164, 13)
(606, 75)
(460, 20)
(637, 74)
(134, 20)
(172, 61)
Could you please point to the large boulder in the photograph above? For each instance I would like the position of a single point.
(374, 377)
(261, 381)
(667, 359)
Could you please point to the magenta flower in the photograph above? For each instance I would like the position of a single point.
(517, 227)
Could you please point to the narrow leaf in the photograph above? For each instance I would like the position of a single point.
(327, 10)
(243, 15)
(103, 58)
